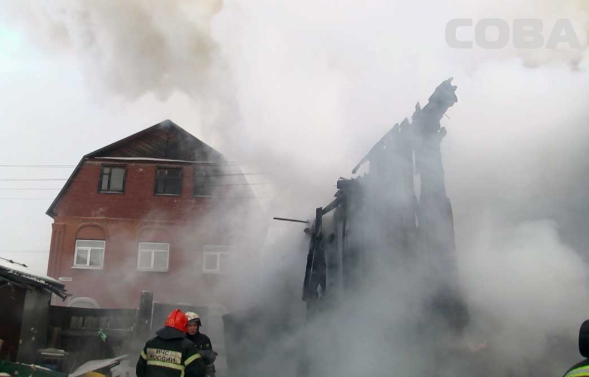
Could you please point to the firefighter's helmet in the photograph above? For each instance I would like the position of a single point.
(193, 318)
(177, 319)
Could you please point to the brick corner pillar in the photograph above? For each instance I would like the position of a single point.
(56, 249)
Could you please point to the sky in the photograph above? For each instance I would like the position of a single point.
(300, 91)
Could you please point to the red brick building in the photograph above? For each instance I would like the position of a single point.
(161, 211)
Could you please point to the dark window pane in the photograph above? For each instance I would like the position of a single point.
(160, 176)
(116, 179)
(168, 181)
(206, 180)
(220, 181)
(173, 186)
(104, 186)
(112, 179)
(174, 181)
(173, 173)
(199, 181)
(159, 186)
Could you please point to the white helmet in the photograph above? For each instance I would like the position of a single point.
(193, 318)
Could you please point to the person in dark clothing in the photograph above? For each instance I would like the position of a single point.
(202, 342)
(581, 369)
(170, 354)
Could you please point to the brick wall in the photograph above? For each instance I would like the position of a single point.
(122, 220)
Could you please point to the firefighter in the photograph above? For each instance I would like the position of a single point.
(203, 343)
(170, 354)
(581, 369)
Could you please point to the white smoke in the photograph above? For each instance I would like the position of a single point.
(527, 292)
(318, 83)
(127, 48)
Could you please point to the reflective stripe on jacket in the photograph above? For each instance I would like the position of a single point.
(169, 354)
(579, 370)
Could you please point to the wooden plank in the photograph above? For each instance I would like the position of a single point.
(333, 205)
(144, 314)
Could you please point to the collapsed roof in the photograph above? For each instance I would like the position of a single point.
(19, 275)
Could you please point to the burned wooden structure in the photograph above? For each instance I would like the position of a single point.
(24, 310)
(377, 221)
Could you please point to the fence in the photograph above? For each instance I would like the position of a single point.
(90, 334)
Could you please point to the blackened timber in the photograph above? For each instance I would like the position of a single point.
(333, 205)
(347, 183)
(315, 272)
(291, 220)
(375, 148)
(30, 282)
(144, 315)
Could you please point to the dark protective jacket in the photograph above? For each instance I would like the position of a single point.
(202, 341)
(170, 354)
(579, 369)
(205, 348)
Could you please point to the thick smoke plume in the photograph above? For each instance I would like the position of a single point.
(520, 278)
(128, 48)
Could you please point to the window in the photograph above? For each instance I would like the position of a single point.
(153, 256)
(168, 181)
(219, 181)
(206, 180)
(112, 179)
(89, 254)
(216, 259)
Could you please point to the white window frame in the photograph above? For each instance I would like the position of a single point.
(152, 269)
(217, 250)
(89, 250)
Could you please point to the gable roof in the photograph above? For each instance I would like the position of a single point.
(165, 140)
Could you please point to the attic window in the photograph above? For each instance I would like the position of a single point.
(219, 181)
(112, 179)
(206, 180)
(168, 181)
